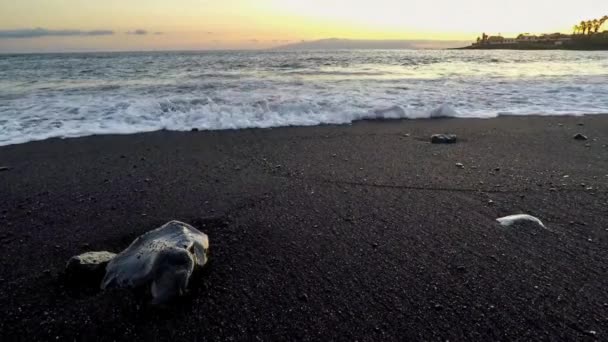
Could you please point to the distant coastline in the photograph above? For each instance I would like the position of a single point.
(593, 43)
(586, 35)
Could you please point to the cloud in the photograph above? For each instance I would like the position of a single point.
(41, 32)
(138, 32)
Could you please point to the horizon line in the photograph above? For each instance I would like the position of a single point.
(271, 48)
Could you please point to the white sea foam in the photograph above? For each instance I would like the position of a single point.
(43, 96)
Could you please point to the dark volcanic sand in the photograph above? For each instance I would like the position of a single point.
(334, 232)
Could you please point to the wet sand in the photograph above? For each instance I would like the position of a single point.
(362, 232)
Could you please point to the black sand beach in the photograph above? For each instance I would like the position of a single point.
(322, 233)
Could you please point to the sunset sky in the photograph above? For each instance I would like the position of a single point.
(73, 25)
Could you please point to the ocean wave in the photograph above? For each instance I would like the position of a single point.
(208, 113)
(201, 113)
(59, 96)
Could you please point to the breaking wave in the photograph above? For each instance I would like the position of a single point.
(203, 114)
(44, 96)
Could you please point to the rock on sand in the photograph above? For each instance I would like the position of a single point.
(444, 139)
(88, 267)
(161, 260)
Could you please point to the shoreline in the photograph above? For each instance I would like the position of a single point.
(195, 129)
(363, 231)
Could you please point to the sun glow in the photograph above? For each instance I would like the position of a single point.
(438, 18)
(229, 24)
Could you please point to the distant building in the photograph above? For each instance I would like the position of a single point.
(524, 38)
(555, 38)
(498, 40)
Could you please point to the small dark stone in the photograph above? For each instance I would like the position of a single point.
(303, 297)
(438, 307)
(461, 268)
(4, 168)
(444, 139)
(580, 124)
(194, 130)
(375, 245)
(581, 137)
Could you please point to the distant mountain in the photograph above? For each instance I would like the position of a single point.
(339, 44)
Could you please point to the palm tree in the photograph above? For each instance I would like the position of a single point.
(590, 26)
(583, 26)
(575, 29)
(596, 25)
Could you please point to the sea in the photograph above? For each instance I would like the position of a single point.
(73, 95)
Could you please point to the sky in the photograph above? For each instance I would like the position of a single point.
(116, 25)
